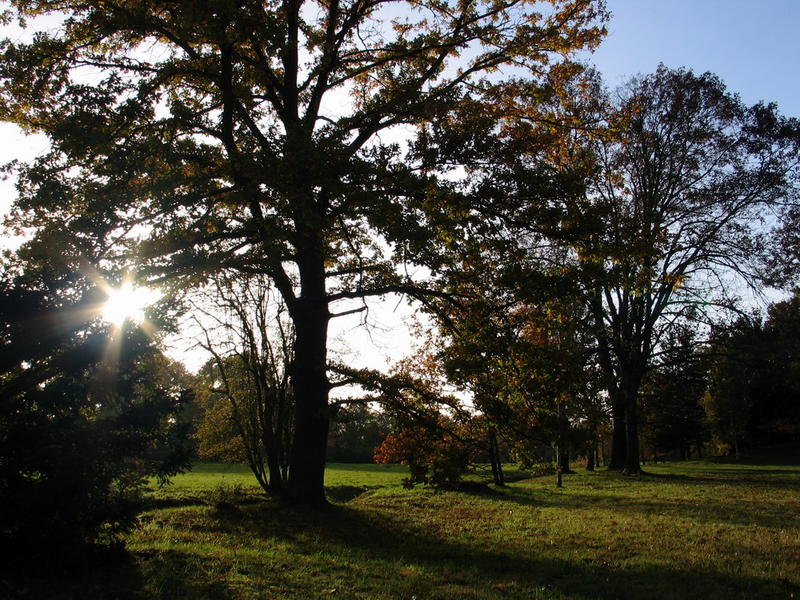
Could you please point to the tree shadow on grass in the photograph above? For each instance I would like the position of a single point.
(345, 493)
(167, 574)
(152, 503)
(380, 548)
(401, 547)
(97, 574)
(772, 478)
(700, 507)
(176, 575)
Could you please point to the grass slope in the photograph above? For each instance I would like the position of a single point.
(684, 530)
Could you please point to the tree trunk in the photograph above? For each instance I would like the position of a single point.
(563, 460)
(494, 457)
(558, 466)
(275, 475)
(619, 445)
(309, 380)
(590, 458)
(632, 466)
(602, 456)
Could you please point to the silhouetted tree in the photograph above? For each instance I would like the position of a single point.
(672, 396)
(246, 330)
(685, 172)
(250, 136)
(753, 388)
(89, 412)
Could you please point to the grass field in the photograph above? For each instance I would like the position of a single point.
(685, 530)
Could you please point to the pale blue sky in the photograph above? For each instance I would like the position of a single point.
(753, 45)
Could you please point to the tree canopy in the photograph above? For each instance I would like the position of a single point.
(686, 176)
(248, 135)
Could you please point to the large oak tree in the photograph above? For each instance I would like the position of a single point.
(248, 135)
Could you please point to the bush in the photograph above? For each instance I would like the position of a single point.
(433, 457)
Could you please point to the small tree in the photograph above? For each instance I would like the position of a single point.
(438, 452)
(246, 330)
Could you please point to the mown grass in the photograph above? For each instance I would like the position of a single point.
(685, 530)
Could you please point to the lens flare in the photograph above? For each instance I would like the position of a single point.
(127, 302)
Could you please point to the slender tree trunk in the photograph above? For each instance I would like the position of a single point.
(309, 380)
(494, 458)
(275, 475)
(602, 456)
(563, 460)
(590, 458)
(559, 475)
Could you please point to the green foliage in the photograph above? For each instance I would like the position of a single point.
(216, 434)
(356, 431)
(88, 415)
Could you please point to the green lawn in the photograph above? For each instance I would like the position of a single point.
(205, 475)
(686, 530)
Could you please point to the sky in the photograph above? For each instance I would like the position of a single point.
(753, 45)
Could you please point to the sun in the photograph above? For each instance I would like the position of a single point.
(127, 302)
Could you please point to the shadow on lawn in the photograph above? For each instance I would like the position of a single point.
(377, 550)
(100, 574)
(772, 479)
(397, 543)
(134, 576)
(699, 507)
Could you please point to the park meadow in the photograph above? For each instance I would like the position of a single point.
(395, 299)
(697, 529)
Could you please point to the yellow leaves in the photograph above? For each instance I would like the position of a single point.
(675, 280)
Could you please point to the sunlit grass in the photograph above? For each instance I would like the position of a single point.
(685, 530)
